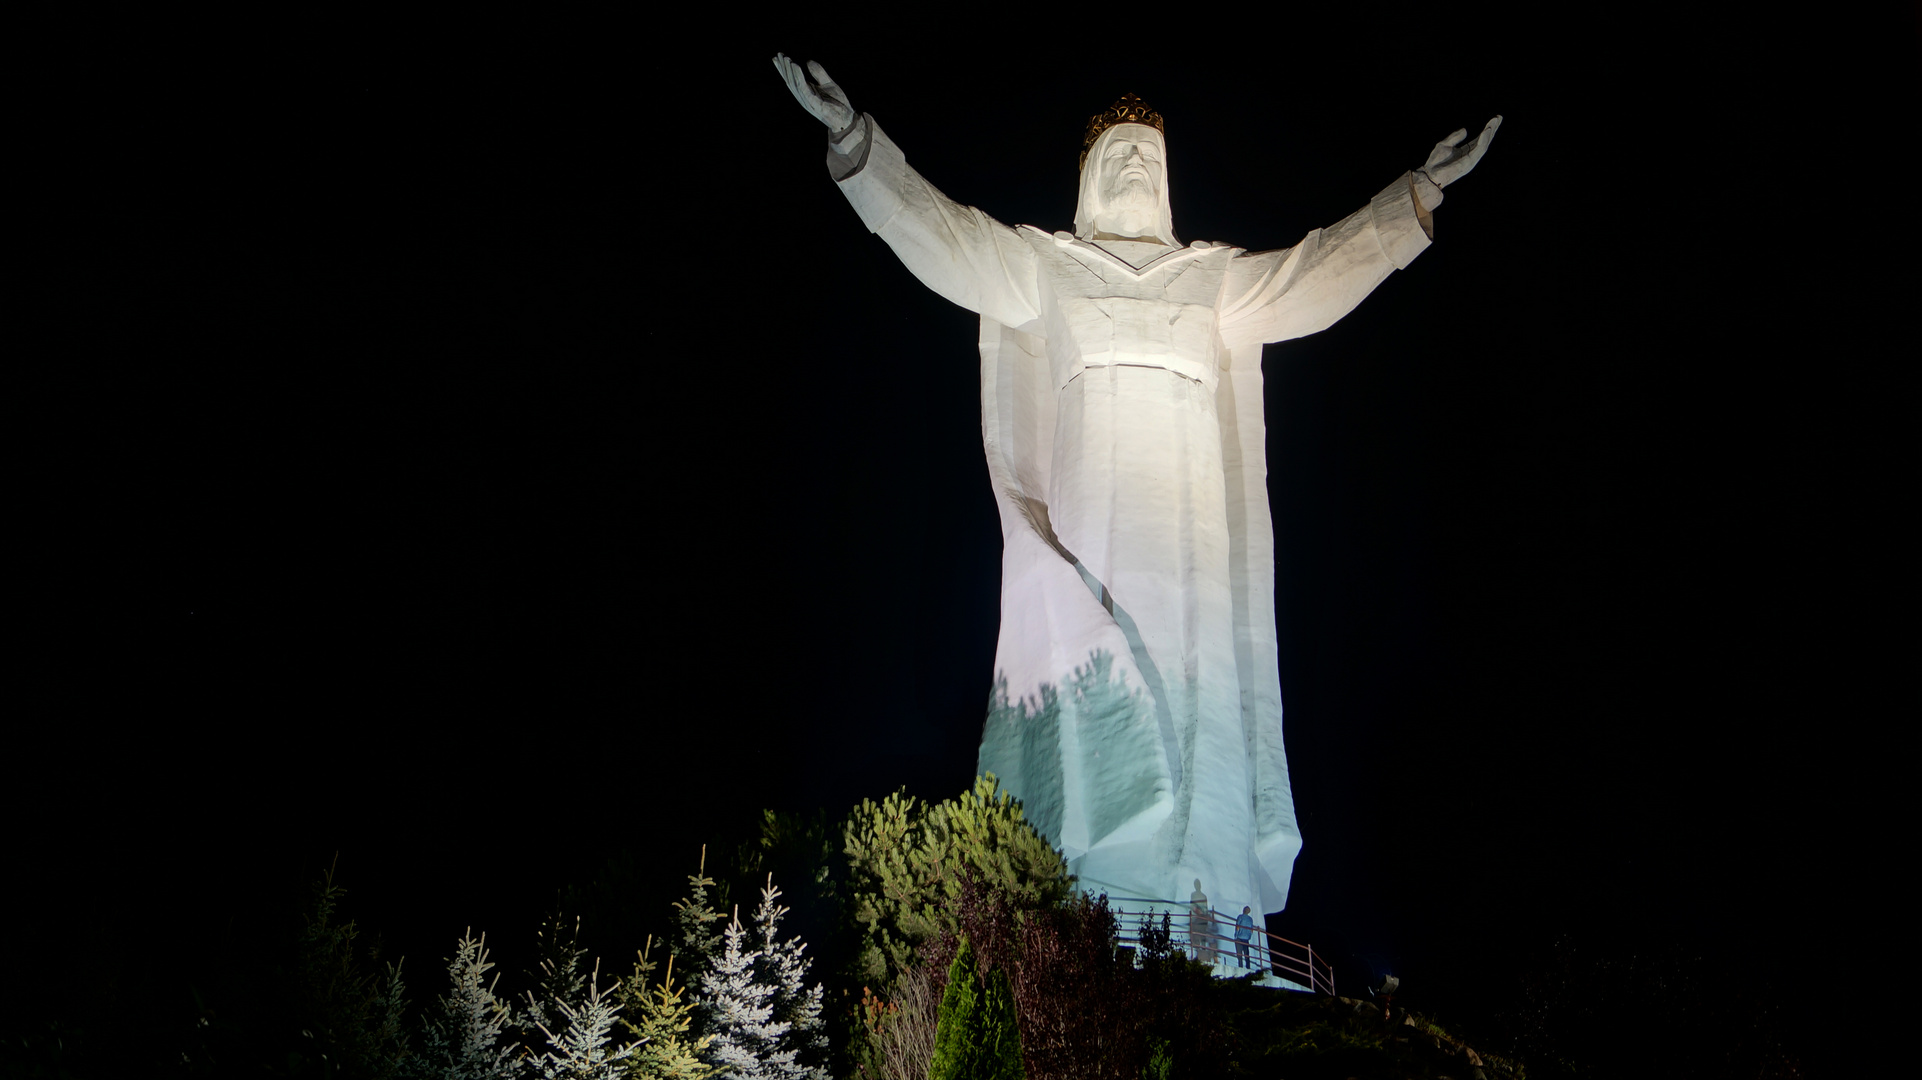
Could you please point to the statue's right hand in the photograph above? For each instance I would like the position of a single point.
(822, 97)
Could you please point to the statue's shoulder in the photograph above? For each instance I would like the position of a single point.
(1051, 245)
(1038, 236)
(1219, 250)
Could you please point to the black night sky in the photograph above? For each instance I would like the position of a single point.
(484, 451)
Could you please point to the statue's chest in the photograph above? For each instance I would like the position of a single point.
(1101, 312)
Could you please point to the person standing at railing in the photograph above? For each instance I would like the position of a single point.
(1201, 926)
(1244, 930)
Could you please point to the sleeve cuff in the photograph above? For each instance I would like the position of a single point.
(848, 151)
(1399, 224)
(874, 179)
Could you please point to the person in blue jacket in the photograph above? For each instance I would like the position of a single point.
(1244, 930)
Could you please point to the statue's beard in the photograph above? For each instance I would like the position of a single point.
(1132, 195)
(1129, 208)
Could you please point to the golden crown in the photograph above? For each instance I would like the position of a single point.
(1129, 110)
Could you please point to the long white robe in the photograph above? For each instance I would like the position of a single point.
(1137, 703)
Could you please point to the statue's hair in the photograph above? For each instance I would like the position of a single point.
(1089, 204)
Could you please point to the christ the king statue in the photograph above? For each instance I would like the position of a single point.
(1137, 704)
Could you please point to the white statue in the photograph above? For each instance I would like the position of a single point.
(1137, 703)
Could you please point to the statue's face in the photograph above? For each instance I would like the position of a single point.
(1131, 169)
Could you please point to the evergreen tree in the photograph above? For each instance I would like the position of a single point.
(659, 1019)
(579, 1047)
(977, 1036)
(885, 892)
(741, 1005)
(783, 965)
(766, 1019)
(957, 1034)
(352, 1016)
(464, 1036)
(559, 977)
(907, 862)
(1000, 1032)
(697, 931)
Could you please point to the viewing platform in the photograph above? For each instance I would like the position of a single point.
(1207, 935)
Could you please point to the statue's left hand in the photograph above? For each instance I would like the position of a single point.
(1452, 158)
(823, 98)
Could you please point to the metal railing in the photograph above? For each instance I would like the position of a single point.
(1210, 939)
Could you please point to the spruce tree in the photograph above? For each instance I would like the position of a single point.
(559, 976)
(697, 930)
(659, 1019)
(783, 965)
(580, 1038)
(740, 1006)
(464, 1037)
(352, 1016)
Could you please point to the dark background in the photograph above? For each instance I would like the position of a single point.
(481, 450)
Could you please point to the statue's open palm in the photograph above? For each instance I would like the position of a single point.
(1452, 158)
(823, 97)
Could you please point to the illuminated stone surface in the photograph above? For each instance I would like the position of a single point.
(1137, 702)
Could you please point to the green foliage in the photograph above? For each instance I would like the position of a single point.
(907, 861)
(957, 1034)
(349, 1017)
(580, 1038)
(660, 1019)
(976, 1037)
(1161, 1061)
(697, 928)
(1000, 1032)
(466, 1030)
(791, 847)
(558, 976)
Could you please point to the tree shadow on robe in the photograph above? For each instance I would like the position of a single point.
(1092, 747)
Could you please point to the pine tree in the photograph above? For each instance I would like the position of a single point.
(464, 1040)
(659, 1019)
(580, 1047)
(907, 862)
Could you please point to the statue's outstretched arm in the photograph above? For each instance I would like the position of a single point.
(956, 250)
(1286, 294)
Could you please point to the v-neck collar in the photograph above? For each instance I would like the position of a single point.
(1168, 256)
(1161, 261)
